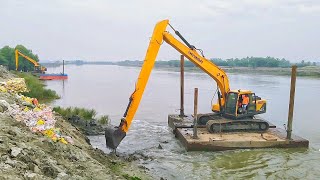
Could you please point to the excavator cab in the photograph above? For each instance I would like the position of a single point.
(237, 107)
(40, 69)
(237, 114)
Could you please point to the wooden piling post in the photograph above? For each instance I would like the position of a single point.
(182, 86)
(195, 114)
(291, 101)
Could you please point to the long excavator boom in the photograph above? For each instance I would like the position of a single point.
(114, 135)
(204, 64)
(34, 62)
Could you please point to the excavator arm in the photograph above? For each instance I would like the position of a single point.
(204, 64)
(114, 135)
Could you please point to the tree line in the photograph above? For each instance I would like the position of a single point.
(236, 62)
(253, 62)
(7, 58)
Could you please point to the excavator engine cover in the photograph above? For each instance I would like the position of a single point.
(114, 136)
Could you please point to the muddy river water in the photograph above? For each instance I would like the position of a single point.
(107, 89)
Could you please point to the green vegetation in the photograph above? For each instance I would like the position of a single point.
(309, 71)
(303, 63)
(103, 120)
(116, 167)
(84, 119)
(313, 71)
(128, 177)
(252, 62)
(83, 113)
(7, 58)
(37, 88)
(86, 114)
(250, 65)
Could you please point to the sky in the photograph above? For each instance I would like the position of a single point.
(98, 30)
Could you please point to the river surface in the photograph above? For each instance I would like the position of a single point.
(107, 88)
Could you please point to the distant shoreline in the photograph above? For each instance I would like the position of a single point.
(307, 71)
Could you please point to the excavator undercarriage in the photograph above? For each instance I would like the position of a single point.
(215, 123)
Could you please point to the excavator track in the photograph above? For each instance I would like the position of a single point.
(214, 123)
(247, 125)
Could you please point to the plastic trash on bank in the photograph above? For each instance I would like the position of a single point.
(16, 85)
(38, 117)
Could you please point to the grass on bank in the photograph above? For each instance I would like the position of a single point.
(83, 113)
(37, 88)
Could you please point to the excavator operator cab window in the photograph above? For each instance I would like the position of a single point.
(37, 69)
(246, 104)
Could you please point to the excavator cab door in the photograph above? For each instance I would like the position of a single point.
(234, 109)
(231, 104)
(250, 109)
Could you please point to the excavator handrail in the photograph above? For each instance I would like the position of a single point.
(159, 35)
(17, 53)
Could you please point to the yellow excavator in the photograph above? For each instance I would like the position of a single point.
(228, 113)
(37, 67)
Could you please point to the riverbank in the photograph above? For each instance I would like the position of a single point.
(84, 120)
(37, 88)
(36, 143)
(307, 71)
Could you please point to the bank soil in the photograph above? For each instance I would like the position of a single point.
(29, 154)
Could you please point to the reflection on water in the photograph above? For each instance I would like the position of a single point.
(107, 89)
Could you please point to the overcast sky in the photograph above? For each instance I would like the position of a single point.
(119, 30)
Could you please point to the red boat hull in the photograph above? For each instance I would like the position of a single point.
(53, 77)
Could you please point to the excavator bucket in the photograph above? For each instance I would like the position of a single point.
(114, 136)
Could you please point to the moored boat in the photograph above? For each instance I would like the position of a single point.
(53, 76)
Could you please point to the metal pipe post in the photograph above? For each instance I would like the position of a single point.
(62, 66)
(181, 86)
(195, 114)
(291, 101)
